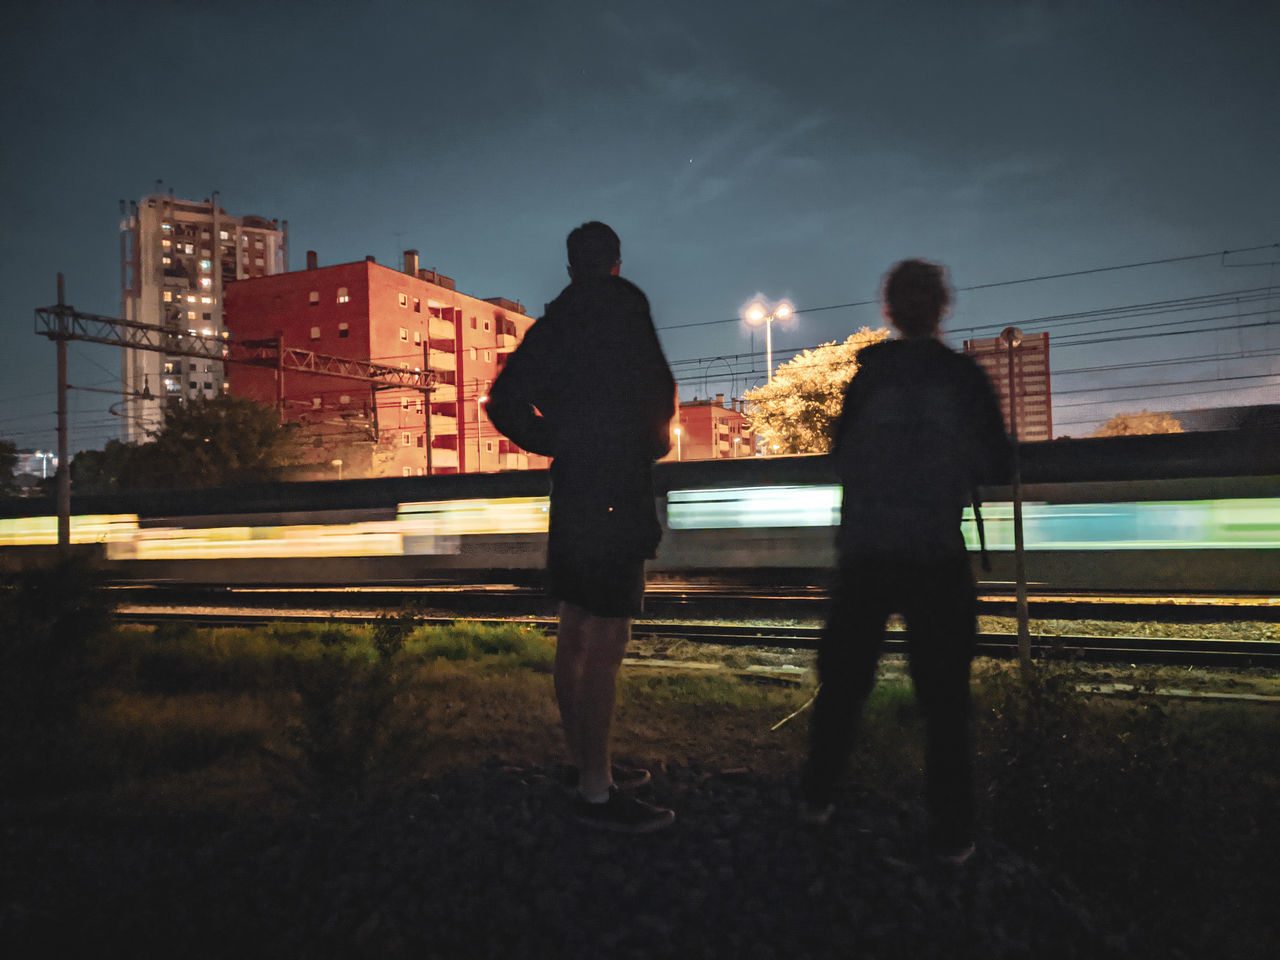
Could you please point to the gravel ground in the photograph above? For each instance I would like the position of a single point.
(488, 863)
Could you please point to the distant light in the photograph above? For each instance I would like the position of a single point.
(755, 312)
(784, 310)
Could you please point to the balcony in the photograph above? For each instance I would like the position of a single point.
(442, 360)
(440, 329)
(444, 393)
(443, 459)
(506, 342)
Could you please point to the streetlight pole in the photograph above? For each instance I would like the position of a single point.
(678, 431)
(758, 312)
(1011, 337)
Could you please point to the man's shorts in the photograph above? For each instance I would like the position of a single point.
(604, 586)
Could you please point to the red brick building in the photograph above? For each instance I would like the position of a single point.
(708, 430)
(411, 318)
(1031, 389)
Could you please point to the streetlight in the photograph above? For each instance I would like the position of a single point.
(338, 464)
(44, 457)
(1011, 337)
(758, 312)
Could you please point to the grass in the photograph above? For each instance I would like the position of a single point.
(1164, 805)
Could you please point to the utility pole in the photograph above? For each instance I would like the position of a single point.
(1011, 337)
(64, 458)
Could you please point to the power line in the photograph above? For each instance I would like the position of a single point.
(1008, 283)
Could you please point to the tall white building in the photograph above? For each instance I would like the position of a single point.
(176, 256)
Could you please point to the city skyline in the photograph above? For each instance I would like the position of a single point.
(1008, 140)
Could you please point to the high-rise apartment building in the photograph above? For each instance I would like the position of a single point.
(412, 318)
(1031, 396)
(176, 259)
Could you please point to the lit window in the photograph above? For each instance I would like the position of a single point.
(258, 243)
(405, 439)
(315, 298)
(206, 283)
(191, 315)
(404, 334)
(191, 298)
(189, 248)
(166, 243)
(406, 471)
(168, 296)
(404, 299)
(343, 296)
(417, 338)
(166, 226)
(315, 403)
(206, 265)
(223, 235)
(343, 331)
(258, 261)
(166, 260)
(315, 333)
(168, 367)
(225, 385)
(419, 471)
(206, 299)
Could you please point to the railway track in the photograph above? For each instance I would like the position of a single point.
(699, 601)
(1205, 651)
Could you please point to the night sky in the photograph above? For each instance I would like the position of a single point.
(796, 149)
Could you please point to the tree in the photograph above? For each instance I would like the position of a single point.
(8, 464)
(99, 471)
(219, 442)
(1132, 424)
(796, 413)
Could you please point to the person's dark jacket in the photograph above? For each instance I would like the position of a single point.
(590, 388)
(920, 430)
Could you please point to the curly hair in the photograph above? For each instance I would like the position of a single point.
(916, 295)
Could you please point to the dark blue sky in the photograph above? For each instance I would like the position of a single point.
(795, 149)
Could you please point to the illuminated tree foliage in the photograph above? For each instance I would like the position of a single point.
(796, 413)
(1132, 424)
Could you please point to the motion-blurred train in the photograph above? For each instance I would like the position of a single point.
(1181, 513)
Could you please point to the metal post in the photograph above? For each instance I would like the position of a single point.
(1012, 336)
(426, 394)
(64, 458)
(768, 348)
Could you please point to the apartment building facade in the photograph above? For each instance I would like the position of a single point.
(177, 258)
(710, 430)
(1029, 394)
(410, 318)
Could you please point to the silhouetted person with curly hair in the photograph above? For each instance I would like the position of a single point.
(919, 430)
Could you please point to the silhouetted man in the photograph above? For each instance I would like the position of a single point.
(590, 387)
(920, 429)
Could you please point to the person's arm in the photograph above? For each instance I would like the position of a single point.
(513, 397)
(995, 450)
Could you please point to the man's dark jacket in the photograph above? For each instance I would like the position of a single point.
(589, 387)
(919, 431)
